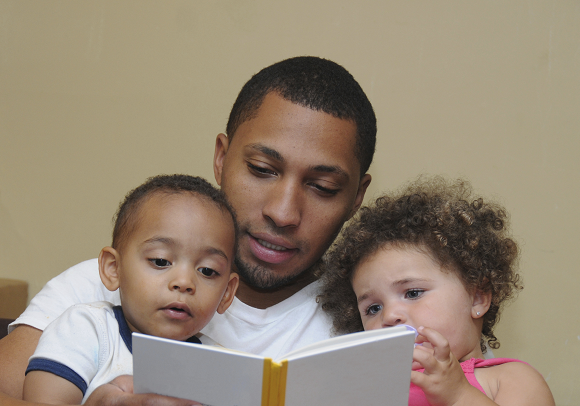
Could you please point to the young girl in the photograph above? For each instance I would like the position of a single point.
(437, 259)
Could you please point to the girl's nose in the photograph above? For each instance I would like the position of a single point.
(393, 316)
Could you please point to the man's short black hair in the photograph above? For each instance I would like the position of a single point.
(315, 83)
(126, 216)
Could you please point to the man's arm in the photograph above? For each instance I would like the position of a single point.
(19, 345)
(15, 349)
(119, 392)
(54, 298)
(116, 393)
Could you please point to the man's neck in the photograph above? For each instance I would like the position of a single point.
(262, 298)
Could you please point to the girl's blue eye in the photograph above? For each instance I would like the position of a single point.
(207, 271)
(373, 309)
(160, 262)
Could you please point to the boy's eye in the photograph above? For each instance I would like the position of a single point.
(413, 293)
(373, 309)
(160, 262)
(207, 271)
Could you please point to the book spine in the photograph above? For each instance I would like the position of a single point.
(274, 383)
(266, 380)
(283, 368)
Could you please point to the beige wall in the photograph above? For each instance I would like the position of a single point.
(96, 96)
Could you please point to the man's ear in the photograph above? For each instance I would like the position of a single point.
(222, 143)
(360, 194)
(481, 303)
(109, 267)
(230, 293)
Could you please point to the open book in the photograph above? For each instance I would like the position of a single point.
(366, 368)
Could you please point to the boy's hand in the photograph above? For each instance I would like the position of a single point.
(443, 380)
(119, 392)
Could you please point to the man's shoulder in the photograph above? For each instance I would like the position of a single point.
(80, 283)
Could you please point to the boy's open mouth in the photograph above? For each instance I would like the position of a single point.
(178, 308)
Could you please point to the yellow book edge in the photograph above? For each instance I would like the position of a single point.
(274, 382)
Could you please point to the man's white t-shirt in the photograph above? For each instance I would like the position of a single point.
(272, 332)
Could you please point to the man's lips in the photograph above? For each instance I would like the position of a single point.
(271, 246)
(271, 250)
(177, 310)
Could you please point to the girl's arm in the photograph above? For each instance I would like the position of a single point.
(445, 384)
(44, 387)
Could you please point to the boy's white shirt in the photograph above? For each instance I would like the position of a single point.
(86, 339)
(272, 332)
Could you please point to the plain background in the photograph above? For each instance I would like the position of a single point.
(97, 96)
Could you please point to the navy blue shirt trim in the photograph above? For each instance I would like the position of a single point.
(46, 365)
(193, 339)
(124, 329)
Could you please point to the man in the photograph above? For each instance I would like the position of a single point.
(300, 138)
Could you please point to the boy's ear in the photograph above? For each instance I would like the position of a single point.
(222, 143)
(230, 293)
(109, 268)
(481, 303)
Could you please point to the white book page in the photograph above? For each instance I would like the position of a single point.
(209, 375)
(377, 373)
(345, 341)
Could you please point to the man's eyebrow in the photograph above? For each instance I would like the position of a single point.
(330, 169)
(316, 168)
(272, 153)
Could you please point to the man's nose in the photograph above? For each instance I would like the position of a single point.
(284, 204)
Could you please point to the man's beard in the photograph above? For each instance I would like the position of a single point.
(261, 278)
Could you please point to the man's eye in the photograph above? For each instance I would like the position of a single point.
(207, 271)
(260, 170)
(413, 293)
(373, 309)
(160, 262)
(324, 190)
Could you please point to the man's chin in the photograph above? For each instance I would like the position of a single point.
(259, 277)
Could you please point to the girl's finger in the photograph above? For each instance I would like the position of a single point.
(441, 349)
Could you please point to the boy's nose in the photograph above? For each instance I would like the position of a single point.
(182, 283)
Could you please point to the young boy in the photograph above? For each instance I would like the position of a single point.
(173, 247)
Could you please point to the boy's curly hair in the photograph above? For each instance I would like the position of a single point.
(460, 231)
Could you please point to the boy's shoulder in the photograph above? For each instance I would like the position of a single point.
(99, 308)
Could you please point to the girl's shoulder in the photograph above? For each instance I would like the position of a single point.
(513, 382)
